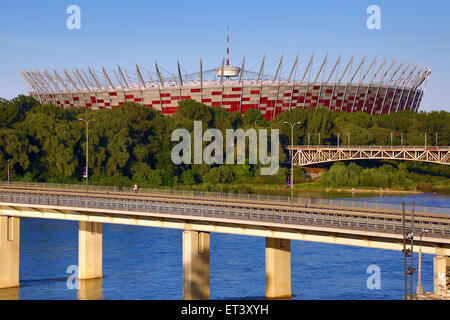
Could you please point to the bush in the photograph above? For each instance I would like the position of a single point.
(155, 178)
(242, 171)
(212, 176)
(188, 177)
(424, 186)
(222, 174)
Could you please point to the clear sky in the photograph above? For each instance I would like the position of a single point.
(33, 35)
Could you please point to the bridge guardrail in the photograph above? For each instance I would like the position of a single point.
(388, 206)
(437, 227)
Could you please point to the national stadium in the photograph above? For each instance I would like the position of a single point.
(372, 85)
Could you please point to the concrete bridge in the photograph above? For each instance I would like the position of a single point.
(309, 155)
(365, 224)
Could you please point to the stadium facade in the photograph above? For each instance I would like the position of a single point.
(375, 86)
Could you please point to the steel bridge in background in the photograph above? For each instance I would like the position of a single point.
(310, 155)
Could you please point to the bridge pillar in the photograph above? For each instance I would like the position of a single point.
(9, 251)
(441, 275)
(278, 268)
(90, 250)
(195, 265)
(90, 289)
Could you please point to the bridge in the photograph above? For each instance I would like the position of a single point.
(278, 219)
(308, 155)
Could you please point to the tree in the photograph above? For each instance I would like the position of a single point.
(252, 117)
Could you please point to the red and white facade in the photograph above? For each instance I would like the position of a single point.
(391, 89)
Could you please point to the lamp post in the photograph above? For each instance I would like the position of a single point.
(419, 291)
(405, 251)
(87, 150)
(292, 156)
(8, 170)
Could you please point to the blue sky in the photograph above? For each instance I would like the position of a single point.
(33, 35)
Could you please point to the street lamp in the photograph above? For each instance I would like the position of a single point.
(87, 150)
(8, 170)
(292, 156)
(419, 291)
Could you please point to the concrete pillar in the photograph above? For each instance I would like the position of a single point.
(90, 289)
(441, 275)
(278, 268)
(195, 265)
(9, 251)
(10, 293)
(90, 250)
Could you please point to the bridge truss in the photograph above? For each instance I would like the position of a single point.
(308, 155)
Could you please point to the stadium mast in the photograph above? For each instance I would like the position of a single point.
(227, 70)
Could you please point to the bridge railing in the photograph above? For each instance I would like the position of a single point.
(357, 204)
(436, 227)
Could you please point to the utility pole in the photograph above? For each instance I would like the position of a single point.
(338, 139)
(292, 157)
(404, 249)
(408, 235)
(87, 151)
(392, 139)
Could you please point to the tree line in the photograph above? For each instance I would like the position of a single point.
(132, 144)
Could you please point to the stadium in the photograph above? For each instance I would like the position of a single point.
(371, 85)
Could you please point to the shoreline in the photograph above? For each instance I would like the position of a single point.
(343, 190)
(261, 189)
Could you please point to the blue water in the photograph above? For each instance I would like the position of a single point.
(146, 263)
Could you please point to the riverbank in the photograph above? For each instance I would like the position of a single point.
(306, 187)
(300, 188)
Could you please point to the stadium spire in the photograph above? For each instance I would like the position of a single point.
(228, 47)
